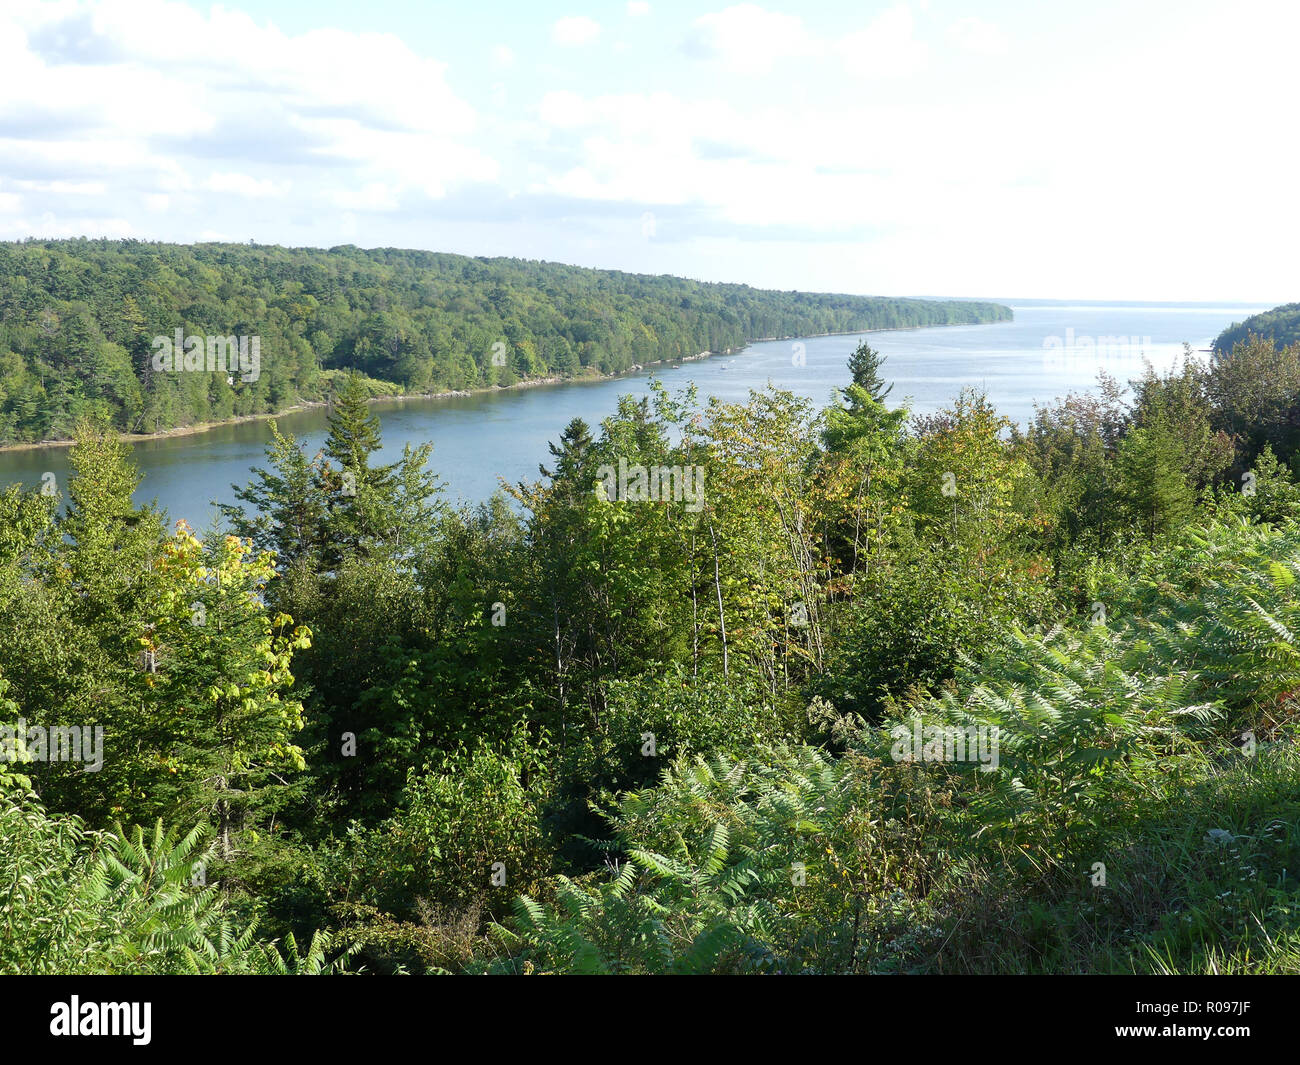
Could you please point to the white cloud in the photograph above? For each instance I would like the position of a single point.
(64, 188)
(575, 30)
(885, 48)
(98, 96)
(375, 196)
(564, 109)
(52, 226)
(746, 39)
(249, 187)
(807, 173)
(975, 35)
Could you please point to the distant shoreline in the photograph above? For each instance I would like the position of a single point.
(534, 382)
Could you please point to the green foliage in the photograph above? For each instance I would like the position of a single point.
(1238, 614)
(1266, 493)
(1280, 326)
(284, 510)
(220, 679)
(865, 364)
(1102, 732)
(1078, 719)
(370, 510)
(648, 721)
(918, 615)
(12, 745)
(466, 812)
(963, 479)
(1180, 405)
(79, 318)
(754, 866)
(684, 911)
(79, 902)
(573, 735)
(1152, 486)
(1070, 447)
(1254, 385)
(469, 837)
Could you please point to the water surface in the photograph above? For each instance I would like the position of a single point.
(1047, 351)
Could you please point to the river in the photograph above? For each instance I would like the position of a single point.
(1048, 350)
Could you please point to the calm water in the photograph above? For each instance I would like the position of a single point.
(1047, 351)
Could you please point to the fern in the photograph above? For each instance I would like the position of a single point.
(83, 902)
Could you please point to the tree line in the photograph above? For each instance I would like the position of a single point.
(79, 319)
(1281, 325)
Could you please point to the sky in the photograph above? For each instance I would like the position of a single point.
(1101, 150)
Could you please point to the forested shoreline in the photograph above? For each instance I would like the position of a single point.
(79, 320)
(1281, 325)
(752, 687)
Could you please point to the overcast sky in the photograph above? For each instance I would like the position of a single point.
(1091, 150)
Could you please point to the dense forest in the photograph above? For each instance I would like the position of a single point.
(79, 319)
(1280, 325)
(901, 695)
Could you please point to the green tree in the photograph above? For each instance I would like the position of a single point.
(286, 514)
(1152, 484)
(372, 509)
(862, 467)
(109, 540)
(222, 684)
(865, 365)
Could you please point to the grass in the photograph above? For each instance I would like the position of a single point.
(1205, 880)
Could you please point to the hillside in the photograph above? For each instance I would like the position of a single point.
(78, 321)
(1280, 325)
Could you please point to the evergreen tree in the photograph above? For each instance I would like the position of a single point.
(109, 539)
(865, 365)
(1152, 484)
(287, 514)
(353, 430)
(372, 510)
(573, 471)
(862, 461)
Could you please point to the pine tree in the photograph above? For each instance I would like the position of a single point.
(108, 543)
(865, 365)
(108, 535)
(1152, 483)
(287, 506)
(572, 473)
(353, 429)
(372, 510)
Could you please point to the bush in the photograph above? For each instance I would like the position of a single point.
(648, 721)
(78, 903)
